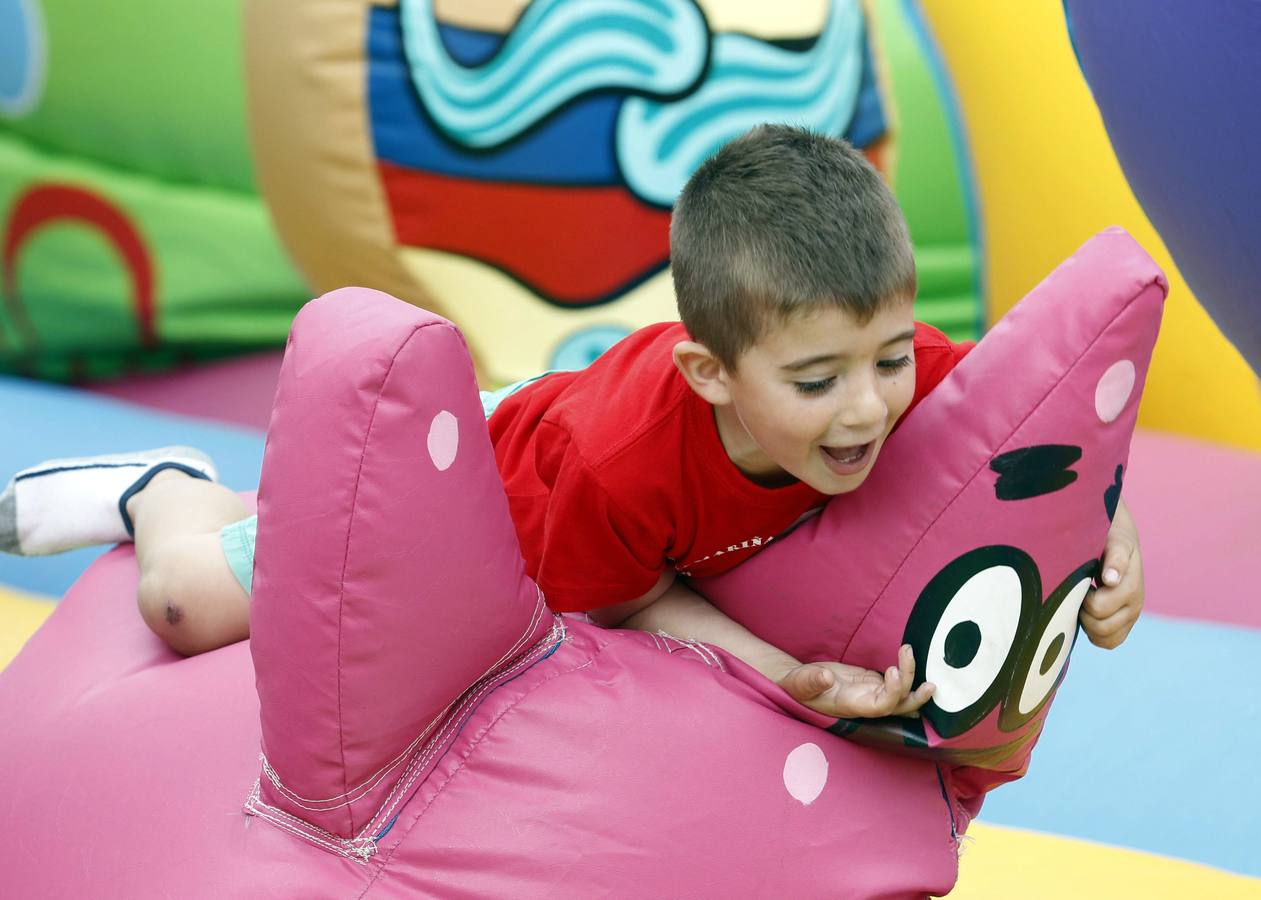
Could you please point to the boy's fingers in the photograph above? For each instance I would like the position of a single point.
(906, 667)
(911, 704)
(1102, 604)
(1111, 631)
(1116, 560)
(885, 699)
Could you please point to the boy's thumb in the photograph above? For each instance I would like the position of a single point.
(807, 682)
(1114, 559)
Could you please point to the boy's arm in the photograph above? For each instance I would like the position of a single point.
(831, 688)
(1111, 611)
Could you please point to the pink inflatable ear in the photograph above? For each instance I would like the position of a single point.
(406, 588)
(977, 535)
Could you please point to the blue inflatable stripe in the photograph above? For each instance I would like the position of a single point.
(868, 124)
(574, 146)
(1152, 746)
(46, 421)
(557, 52)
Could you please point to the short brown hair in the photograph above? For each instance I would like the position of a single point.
(779, 221)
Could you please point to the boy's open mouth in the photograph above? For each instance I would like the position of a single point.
(848, 460)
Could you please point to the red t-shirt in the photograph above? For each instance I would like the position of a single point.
(617, 471)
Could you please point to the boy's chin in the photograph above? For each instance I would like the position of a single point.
(855, 482)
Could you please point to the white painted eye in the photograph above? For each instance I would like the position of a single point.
(974, 637)
(1052, 650)
(1043, 656)
(965, 629)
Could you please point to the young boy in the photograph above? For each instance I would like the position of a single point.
(682, 451)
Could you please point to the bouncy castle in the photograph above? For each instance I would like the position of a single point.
(496, 178)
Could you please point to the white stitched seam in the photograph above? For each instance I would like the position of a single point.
(358, 792)
(360, 847)
(256, 807)
(579, 668)
(711, 658)
(418, 765)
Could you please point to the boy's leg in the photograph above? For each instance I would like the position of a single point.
(188, 593)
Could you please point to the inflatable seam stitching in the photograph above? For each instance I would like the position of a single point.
(361, 847)
(414, 768)
(361, 790)
(600, 649)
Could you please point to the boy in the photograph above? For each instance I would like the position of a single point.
(682, 451)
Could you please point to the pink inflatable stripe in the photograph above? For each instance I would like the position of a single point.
(1198, 508)
(237, 391)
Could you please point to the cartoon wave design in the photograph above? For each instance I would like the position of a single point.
(558, 50)
(660, 144)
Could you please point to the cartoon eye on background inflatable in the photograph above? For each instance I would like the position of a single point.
(1041, 662)
(965, 629)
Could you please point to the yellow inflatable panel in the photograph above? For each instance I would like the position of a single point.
(528, 329)
(1002, 863)
(20, 615)
(1047, 179)
(787, 18)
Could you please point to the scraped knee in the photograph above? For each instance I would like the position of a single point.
(189, 598)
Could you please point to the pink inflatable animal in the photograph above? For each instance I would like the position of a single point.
(429, 729)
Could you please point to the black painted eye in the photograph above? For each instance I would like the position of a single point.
(965, 629)
(1043, 656)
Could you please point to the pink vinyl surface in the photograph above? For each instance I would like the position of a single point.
(1198, 510)
(237, 391)
(428, 733)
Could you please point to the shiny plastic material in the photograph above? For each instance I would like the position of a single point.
(428, 732)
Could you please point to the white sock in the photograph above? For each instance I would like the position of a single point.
(62, 504)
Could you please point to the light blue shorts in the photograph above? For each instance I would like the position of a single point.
(237, 539)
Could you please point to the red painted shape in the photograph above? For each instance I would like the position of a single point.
(46, 204)
(572, 245)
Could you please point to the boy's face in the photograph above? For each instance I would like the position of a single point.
(815, 398)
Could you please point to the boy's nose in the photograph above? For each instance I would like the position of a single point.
(865, 409)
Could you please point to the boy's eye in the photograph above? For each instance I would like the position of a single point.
(814, 387)
(893, 365)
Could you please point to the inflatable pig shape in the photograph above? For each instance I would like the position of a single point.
(429, 729)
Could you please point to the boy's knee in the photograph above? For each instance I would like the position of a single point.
(163, 610)
(170, 597)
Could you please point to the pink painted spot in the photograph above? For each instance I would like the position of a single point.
(444, 440)
(805, 773)
(1114, 390)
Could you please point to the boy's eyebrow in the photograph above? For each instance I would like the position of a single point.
(800, 364)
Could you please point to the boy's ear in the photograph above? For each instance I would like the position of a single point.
(704, 373)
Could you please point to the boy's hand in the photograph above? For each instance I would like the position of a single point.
(1112, 609)
(850, 692)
